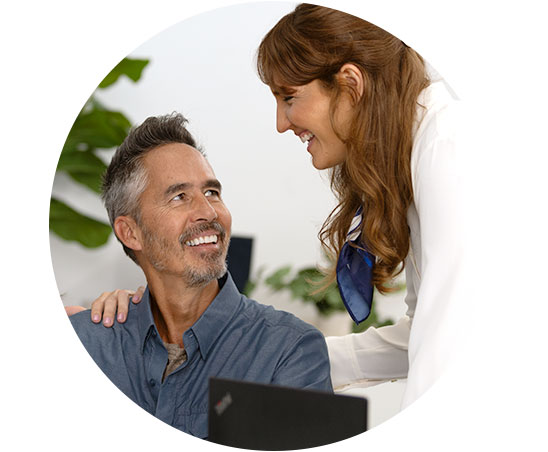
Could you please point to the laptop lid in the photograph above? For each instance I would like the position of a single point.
(265, 417)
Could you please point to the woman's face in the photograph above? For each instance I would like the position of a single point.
(305, 110)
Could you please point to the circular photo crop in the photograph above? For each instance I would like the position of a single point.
(252, 218)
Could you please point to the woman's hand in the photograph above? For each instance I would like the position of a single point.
(115, 304)
(108, 304)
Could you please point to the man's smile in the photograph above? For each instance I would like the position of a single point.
(205, 239)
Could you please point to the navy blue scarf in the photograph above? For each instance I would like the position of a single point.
(355, 273)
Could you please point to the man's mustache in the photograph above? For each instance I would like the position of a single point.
(202, 227)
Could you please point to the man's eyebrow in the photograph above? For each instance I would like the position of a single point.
(212, 183)
(177, 188)
(182, 186)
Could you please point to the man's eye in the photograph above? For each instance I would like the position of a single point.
(214, 193)
(179, 197)
(288, 98)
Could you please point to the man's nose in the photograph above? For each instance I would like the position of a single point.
(203, 210)
(282, 122)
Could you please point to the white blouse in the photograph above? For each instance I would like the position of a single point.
(418, 345)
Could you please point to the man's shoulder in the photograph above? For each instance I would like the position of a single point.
(96, 333)
(298, 349)
(81, 322)
(109, 347)
(275, 319)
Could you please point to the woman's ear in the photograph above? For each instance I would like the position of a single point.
(129, 233)
(350, 75)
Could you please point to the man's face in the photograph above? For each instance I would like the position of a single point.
(185, 226)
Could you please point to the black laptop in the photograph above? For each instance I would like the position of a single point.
(265, 417)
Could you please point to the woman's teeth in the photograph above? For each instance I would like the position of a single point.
(201, 240)
(306, 136)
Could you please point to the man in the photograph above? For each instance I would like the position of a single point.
(165, 206)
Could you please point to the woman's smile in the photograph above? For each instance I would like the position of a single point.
(306, 109)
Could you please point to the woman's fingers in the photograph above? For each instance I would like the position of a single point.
(138, 296)
(97, 307)
(111, 305)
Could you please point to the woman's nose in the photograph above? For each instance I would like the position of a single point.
(282, 123)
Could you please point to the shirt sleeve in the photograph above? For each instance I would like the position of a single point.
(305, 364)
(371, 357)
(438, 199)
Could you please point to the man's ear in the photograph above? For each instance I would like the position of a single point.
(351, 76)
(129, 233)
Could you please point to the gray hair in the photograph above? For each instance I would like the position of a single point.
(125, 179)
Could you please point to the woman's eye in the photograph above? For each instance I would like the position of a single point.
(288, 98)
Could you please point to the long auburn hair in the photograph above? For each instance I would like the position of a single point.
(314, 42)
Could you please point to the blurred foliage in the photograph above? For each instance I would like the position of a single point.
(95, 128)
(304, 284)
(71, 225)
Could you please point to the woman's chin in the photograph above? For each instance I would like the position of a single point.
(321, 164)
(322, 160)
(317, 162)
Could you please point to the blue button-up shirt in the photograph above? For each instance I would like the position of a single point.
(235, 338)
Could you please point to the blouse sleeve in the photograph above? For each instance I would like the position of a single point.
(374, 356)
(437, 197)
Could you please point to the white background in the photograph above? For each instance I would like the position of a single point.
(492, 54)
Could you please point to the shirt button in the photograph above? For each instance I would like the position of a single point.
(152, 383)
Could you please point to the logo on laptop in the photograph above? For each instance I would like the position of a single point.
(223, 404)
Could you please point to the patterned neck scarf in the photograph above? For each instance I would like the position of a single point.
(355, 273)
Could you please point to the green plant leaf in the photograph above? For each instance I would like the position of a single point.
(92, 181)
(333, 296)
(132, 68)
(300, 288)
(304, 284)
(310, 273)
(323, 307)
(84, 167)
(276, 280)
(71, 225)
(250, 286)
(252, 283)
(97, 128)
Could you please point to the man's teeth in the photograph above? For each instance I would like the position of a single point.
(201, 240)
(306, 136)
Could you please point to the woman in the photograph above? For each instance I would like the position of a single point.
(370, 113)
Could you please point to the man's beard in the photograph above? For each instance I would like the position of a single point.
(159, 250)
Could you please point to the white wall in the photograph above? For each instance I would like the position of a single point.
(204, 68)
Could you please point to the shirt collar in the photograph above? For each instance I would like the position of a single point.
(216, 318)
(208, 327)
(145, 319)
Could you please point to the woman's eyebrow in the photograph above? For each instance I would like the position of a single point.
(282, 90)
